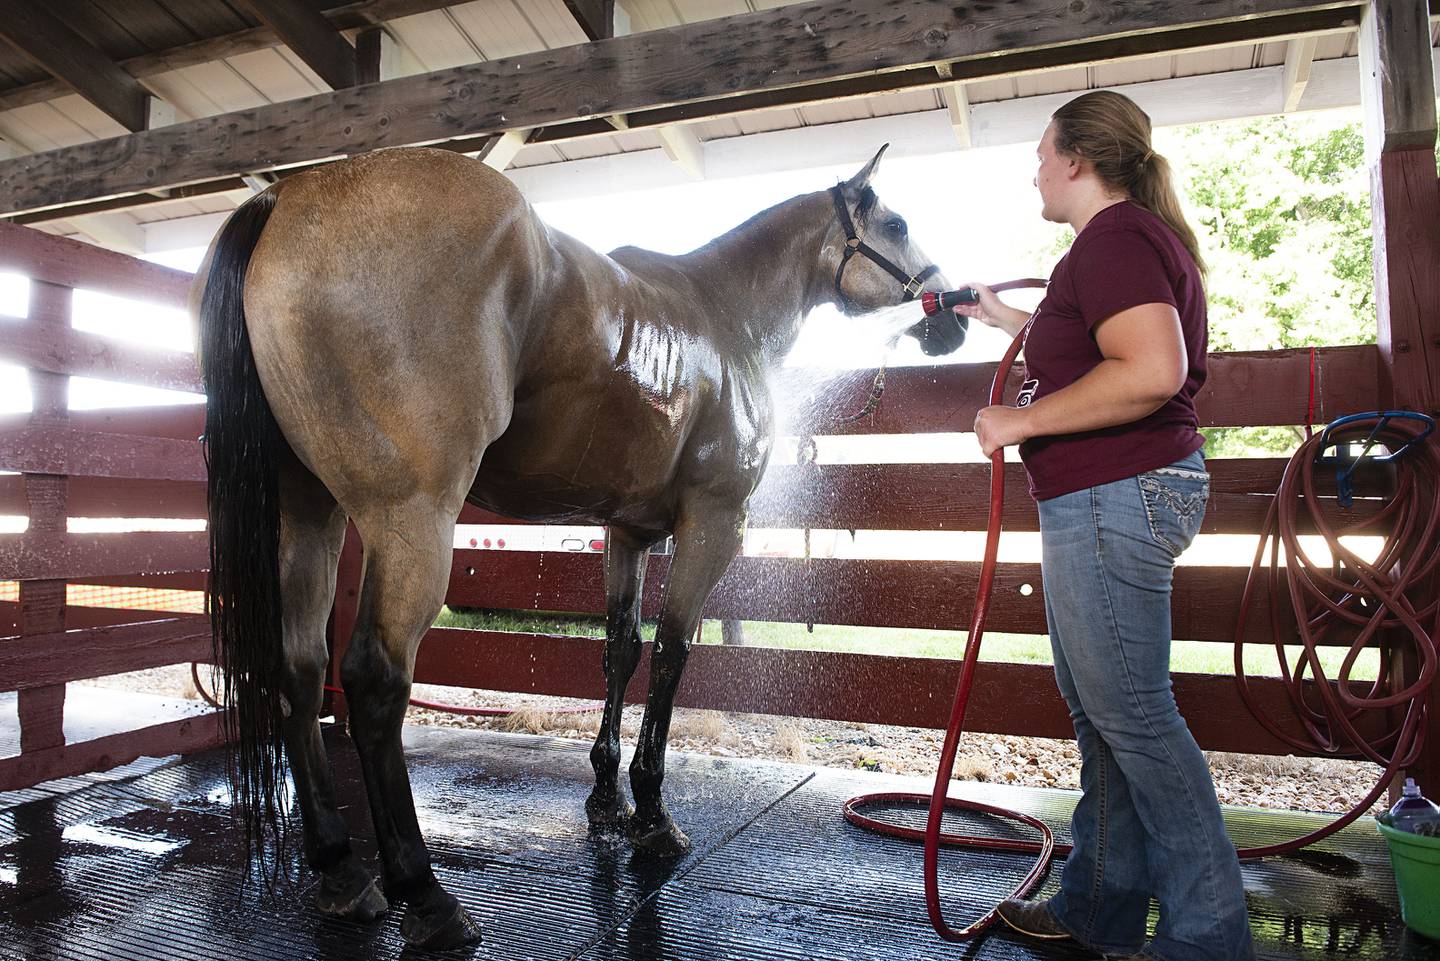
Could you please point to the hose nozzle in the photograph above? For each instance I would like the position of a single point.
(933, 303)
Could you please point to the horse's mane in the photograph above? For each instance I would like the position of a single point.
(868, 200)
(745, 225)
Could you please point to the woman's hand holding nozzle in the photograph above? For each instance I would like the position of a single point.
(986, 307)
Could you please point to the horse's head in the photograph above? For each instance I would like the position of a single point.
(878, 265)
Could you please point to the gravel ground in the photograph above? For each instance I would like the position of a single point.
(1290, 783)
(1305, 784)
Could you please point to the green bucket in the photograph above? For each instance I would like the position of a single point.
(1416, 860)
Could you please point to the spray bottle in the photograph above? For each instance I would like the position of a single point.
(1414, 812)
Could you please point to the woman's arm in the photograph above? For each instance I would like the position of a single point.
(1145, 365)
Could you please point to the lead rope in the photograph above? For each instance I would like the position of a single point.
(807, 455)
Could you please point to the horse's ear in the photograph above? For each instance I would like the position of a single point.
(861, 180)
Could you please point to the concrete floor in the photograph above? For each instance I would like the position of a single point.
(146, 866)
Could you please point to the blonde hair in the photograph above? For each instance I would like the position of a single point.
(1110, 131)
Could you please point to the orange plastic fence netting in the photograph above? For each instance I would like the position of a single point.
(123, 598)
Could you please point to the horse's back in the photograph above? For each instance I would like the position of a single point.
(392, 222)
(381, 301)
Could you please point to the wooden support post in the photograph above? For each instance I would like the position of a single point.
(1399, 104)
(595, 17)
(684, 149)
(379, 56)
(1299, 54)
(42, 602)
(368, 53)
(957, 104)
(258, 181)
(498, 151)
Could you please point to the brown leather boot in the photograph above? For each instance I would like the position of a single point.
(1032, 918)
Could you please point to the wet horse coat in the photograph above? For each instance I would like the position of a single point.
(420, 338)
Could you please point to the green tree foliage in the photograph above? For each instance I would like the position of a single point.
(1282, 209)
(1281, 206)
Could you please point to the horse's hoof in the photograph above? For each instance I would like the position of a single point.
(438, 924)
(350, 893)
(662, 840)
(610, 815)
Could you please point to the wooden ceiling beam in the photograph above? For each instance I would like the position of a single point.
(818, 42)
(114, 231)
(1285, 27)
(345, 16)
(1299, 55)
(83, 67)
(1020, 63)
(134, 201)
(314, 39)
(596, 17)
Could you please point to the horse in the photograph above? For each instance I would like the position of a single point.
(388, 337)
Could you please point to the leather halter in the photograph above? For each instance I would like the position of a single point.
(913, 284)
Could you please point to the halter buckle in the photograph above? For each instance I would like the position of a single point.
(853, 243)
(914, 286)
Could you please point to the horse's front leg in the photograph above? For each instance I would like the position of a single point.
(624, 579)
(707, 538)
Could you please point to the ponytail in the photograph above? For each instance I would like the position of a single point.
(1111, 132)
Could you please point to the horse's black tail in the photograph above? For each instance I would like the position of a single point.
(243, 446)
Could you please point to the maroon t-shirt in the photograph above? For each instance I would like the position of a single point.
(1125, 256)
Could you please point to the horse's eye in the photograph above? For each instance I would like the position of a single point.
(896, 227)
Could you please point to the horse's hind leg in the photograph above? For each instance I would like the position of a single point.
(407, 568)
(312, 529)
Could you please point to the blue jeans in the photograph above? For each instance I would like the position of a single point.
(1148, 823)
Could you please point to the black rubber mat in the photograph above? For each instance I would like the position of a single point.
(146, 868)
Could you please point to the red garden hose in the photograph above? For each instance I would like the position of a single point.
(1365, 596)
(938, 801)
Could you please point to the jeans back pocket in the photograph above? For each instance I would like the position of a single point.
(1175, 499)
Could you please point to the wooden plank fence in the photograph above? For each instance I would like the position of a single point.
(70, 463)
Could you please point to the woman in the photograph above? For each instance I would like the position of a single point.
(1107, 429)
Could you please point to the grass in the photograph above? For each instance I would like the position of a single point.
(1194, 657)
